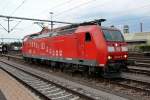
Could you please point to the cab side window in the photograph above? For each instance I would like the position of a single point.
(87, 37)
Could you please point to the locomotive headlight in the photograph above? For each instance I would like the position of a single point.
(124, 48)
(109, 57)
(111, 49)
(125, 56)
(116, 44)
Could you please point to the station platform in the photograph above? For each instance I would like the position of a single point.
(11, 89)
(2, 97)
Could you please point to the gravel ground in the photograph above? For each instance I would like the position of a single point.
(13, 90)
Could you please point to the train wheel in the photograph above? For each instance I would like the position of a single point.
(53, 66)
(61, 66)
(124, 68)
(110, 74)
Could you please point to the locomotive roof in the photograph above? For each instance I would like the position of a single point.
(63, 30)
(70, 28)
(109, 28)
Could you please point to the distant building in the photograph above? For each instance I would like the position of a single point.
(125, 29)
(136, 39)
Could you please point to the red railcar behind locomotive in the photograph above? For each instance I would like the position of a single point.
(90, 48)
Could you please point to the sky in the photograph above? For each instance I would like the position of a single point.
(117, 13)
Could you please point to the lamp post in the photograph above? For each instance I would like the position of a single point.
(51, 13)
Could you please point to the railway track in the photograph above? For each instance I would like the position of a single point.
(132, 84)
(129, 85)
(140, 64)
(139, 70)
(49, 90)
(135, 84)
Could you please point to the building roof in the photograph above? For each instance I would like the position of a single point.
(141, 36)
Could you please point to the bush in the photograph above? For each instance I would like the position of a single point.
(144, 48)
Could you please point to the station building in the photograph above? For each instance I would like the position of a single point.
(135, 40)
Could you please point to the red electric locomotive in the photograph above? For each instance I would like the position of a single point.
(88, 47)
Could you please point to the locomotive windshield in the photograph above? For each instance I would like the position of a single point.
(113, 35)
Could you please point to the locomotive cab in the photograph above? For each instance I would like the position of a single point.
(116, 50)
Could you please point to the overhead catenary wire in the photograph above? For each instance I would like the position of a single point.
(123, 12)
(12, 14)
(31, 19)
(75, 7)
(15, 26)
(126, 12)
(82, 4)
(123, 21)
(100, 5)
(23, 2)
(18, 7)
(3, 27)
(61, 4)
(56, 6)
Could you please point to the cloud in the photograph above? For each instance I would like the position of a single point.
(118, 12)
